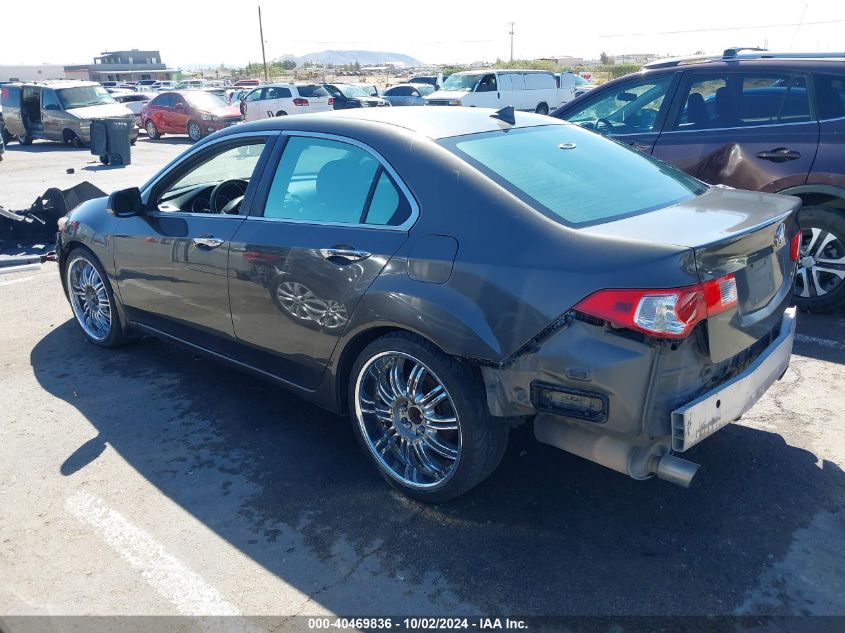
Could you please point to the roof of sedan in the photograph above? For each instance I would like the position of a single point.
(435, 122)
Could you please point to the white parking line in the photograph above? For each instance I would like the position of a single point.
(824, 342)
(164, 572)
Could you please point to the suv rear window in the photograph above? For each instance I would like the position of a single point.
(574, 175)
(312, 91)
(830, 96)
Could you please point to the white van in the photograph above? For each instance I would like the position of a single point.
(530, 90)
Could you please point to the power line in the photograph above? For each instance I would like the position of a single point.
(728, 28)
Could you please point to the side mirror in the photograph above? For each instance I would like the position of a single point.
(179, 107)
(125, 203)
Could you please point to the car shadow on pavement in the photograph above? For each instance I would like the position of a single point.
(547, 533)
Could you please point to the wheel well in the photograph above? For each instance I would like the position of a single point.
(281, 113)
(68, 134)
(818, 199)
(350, 354)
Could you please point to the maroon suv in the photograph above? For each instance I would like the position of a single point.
(761, 121)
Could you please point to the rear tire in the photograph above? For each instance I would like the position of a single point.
(820, 280)
(70, 138)
(281, 113)
(25, 140)
(432, 438)
(542, 108)
(92, 300)
(152, 130)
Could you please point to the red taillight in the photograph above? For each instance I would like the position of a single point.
(669, 313)
(795, 246)
(331, 100)
(299, 101)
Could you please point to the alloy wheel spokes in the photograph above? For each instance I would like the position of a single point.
(89, 299)
(409, 419)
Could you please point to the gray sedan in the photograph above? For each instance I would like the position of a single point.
(407, 94)
(441, 275)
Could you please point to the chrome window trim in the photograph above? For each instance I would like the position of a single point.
(412, 202)
(737, 127)
(190, 153)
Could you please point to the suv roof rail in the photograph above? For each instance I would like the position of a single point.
(736, 54)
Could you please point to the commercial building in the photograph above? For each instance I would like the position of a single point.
(40, 72)
(131, 65)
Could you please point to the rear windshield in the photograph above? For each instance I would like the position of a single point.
(312, 91)
(574, 175)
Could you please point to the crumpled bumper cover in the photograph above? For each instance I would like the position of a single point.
(708, 413)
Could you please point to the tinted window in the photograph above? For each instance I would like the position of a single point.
(594, 181)
(312, 91)
(255, 95)
(321, 180)
(277, 93)
(729, 100)
(624, 109)
(165, 101)
(49, 100)
(10, 95)
(830, 96)
(398, 91)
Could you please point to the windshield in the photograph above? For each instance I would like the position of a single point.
(573, 175)
(83, 96)
(461, 82)
(204, 100)
(353, 91)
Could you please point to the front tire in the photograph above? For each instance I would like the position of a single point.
(92, 300)
(25, 139)
(194, 131)
(542, 108)
(421, 417)
(820, 280)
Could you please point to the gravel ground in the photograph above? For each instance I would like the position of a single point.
(148, 480)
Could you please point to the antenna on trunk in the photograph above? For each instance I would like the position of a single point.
(506, 114)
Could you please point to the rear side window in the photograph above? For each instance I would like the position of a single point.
(328, 181)
(312, 91)
(731, 100)
(573, 175)
(10, 95)
(830, 96)
(277, 93)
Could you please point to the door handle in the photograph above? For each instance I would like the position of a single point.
(207, 242)
(349, 254)
(779, 155)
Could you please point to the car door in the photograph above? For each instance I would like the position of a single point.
(178, 115)
(631, 112)
(486, 94)
(158, 111)
(171, 260)
(253, 105)
(51, 114)
(332, 215)
(749, 129)
(276, 101)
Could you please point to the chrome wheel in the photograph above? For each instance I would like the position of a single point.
(89, 298)
(821, 263)
(151, 129)
(298, 301)
(194, 131)
(408, 420)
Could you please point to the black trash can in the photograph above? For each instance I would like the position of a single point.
(110, 140)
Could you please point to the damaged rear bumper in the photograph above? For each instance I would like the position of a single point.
(639, 399)
(710, 412)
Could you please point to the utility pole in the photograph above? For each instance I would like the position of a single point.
(511, 33)
(261, 31)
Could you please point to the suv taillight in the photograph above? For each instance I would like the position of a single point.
(299, 101)
(331, 100)
(669, 313)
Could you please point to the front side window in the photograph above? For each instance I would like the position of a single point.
(626, 109)
(573, 175)
(322, 180)
(255, 95)
(220, 177)
(49, 100)
(729, 100)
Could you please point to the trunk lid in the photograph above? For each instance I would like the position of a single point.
(746, 234)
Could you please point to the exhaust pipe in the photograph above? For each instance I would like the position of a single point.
(635, 460)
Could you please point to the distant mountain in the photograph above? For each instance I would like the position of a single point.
(365, 58)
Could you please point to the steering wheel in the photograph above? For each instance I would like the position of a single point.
(227, 195)
(602, 122)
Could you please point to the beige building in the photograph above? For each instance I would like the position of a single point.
(41, 72)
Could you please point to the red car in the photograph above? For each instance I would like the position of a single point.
(247, 83)
(192, 112)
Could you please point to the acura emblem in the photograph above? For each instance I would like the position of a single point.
(780, 235)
